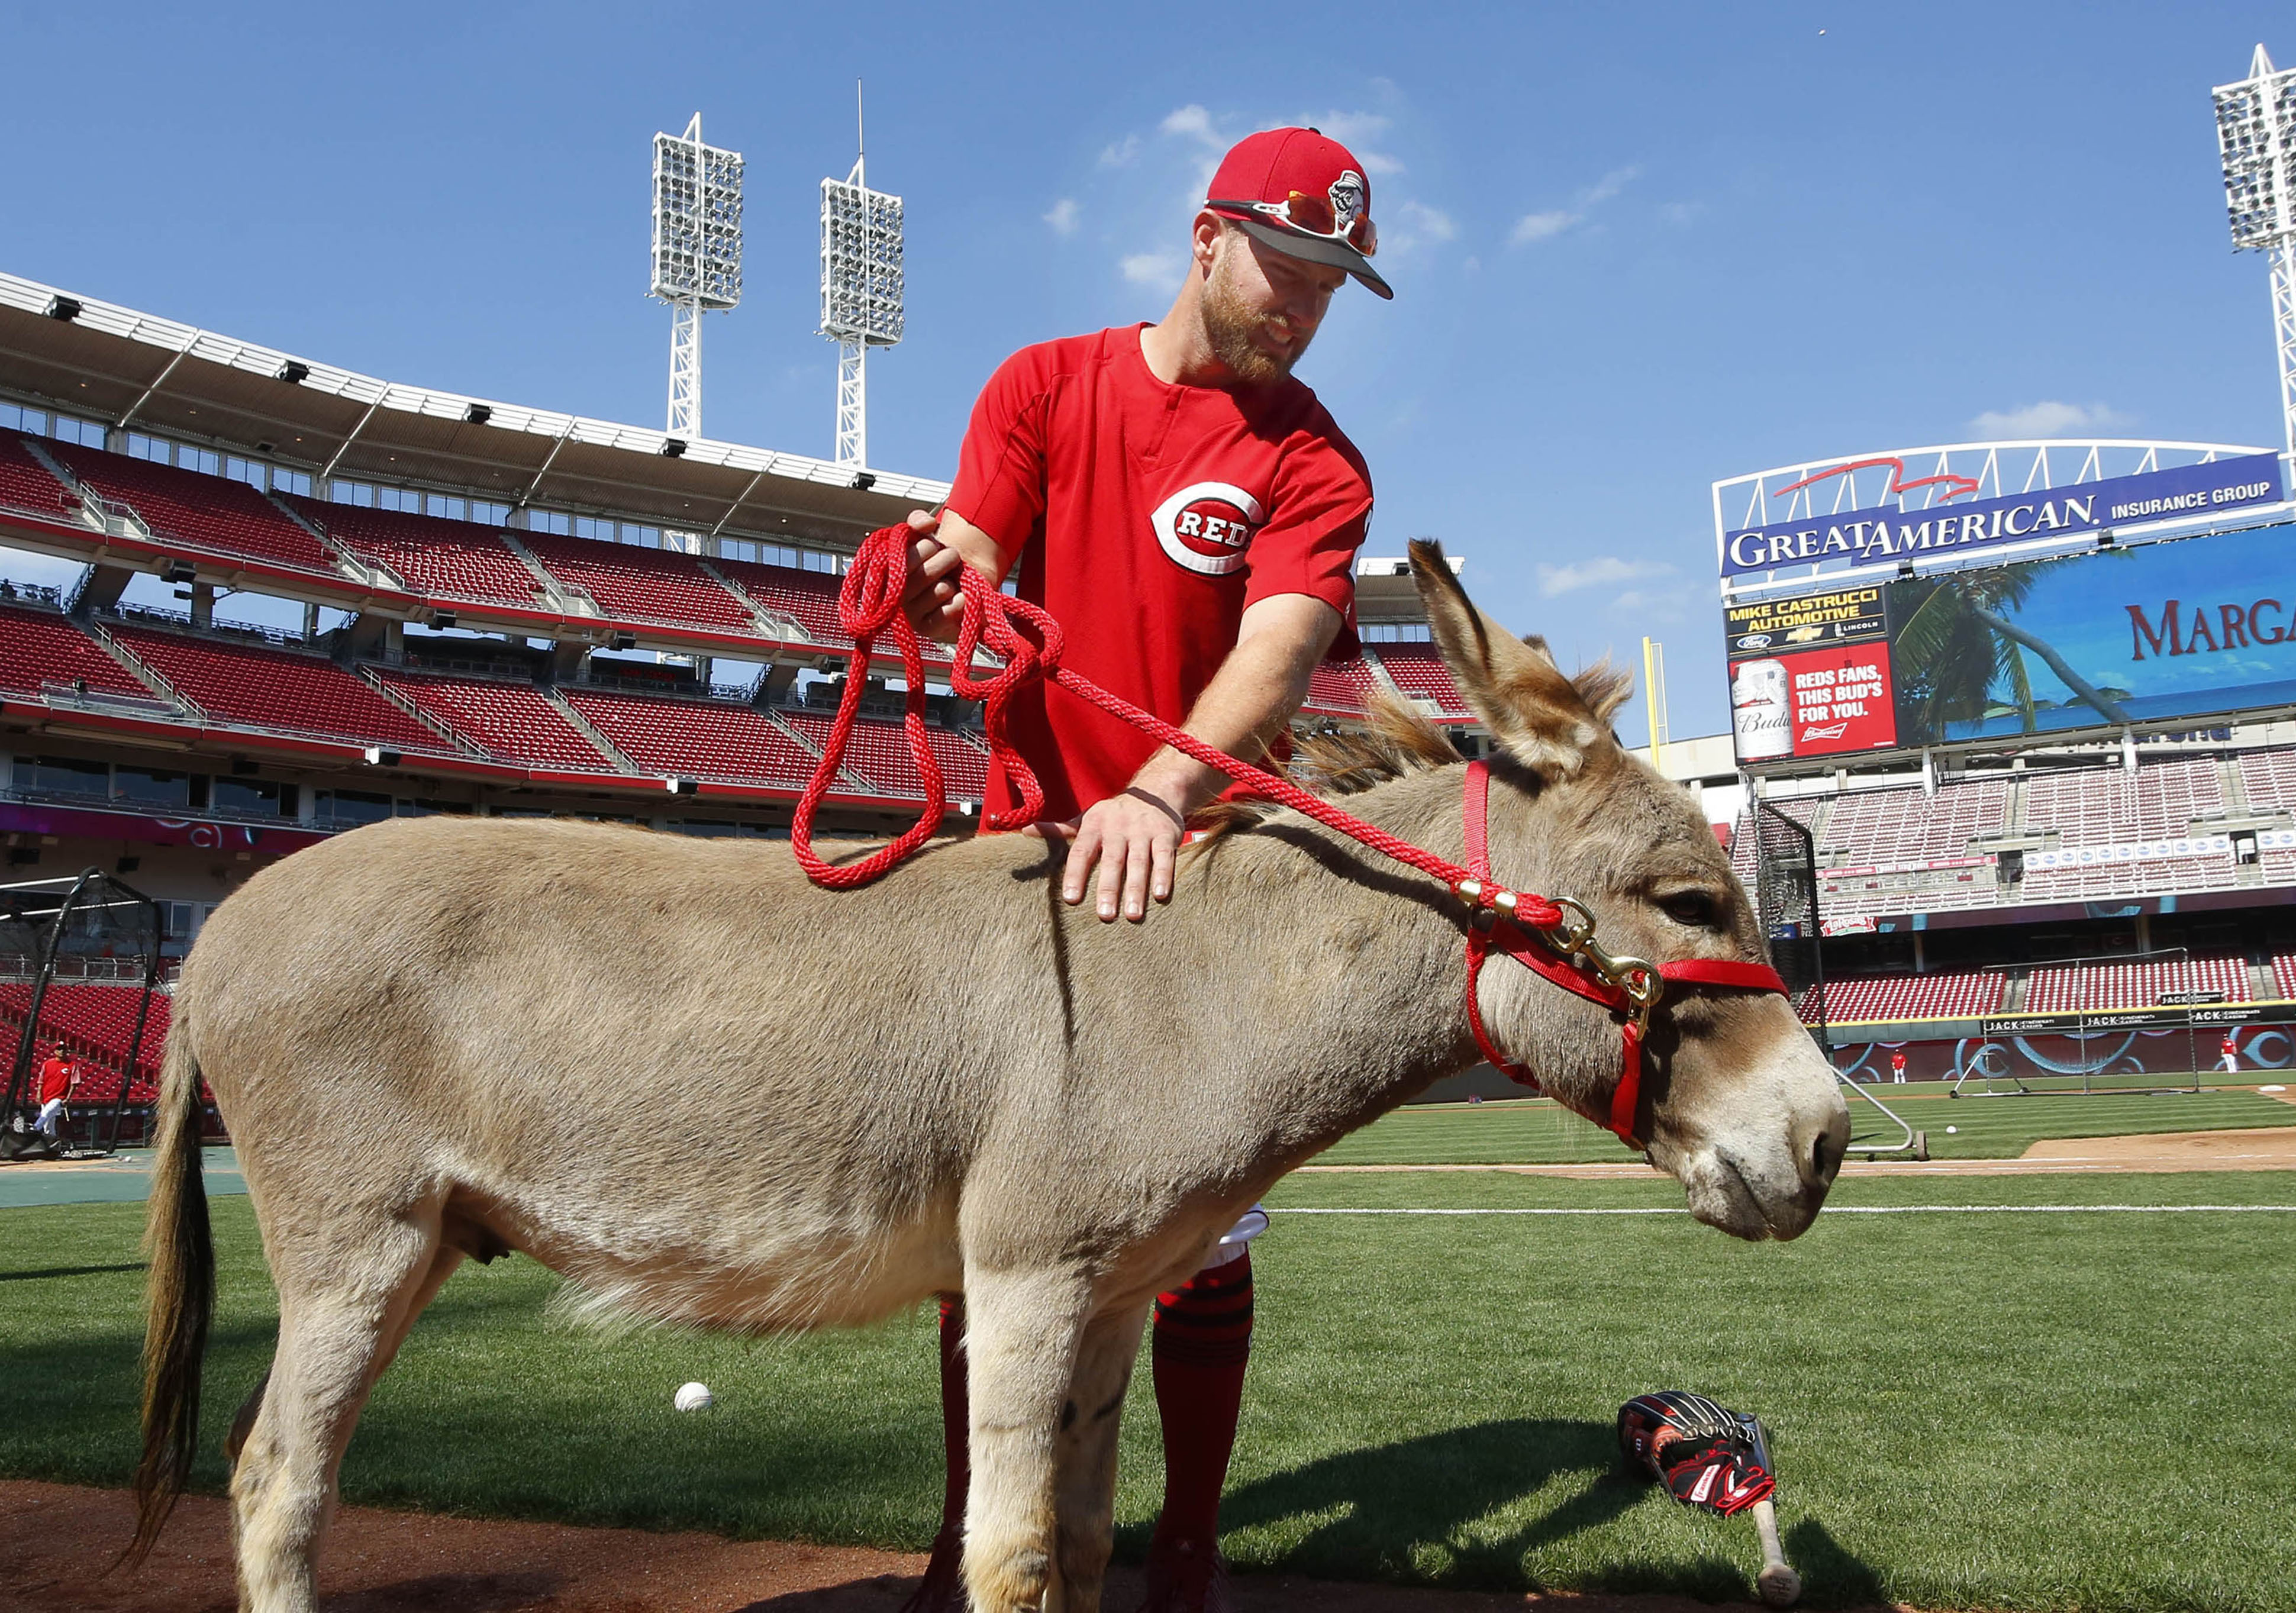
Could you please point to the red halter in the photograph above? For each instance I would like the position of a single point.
(1574, 960)
(1553, 938)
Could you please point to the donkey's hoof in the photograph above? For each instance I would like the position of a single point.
(1186, 1576)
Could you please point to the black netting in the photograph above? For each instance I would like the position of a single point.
(79, 968)
(1785, 895)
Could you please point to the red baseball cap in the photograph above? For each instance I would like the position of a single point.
(1303, 194)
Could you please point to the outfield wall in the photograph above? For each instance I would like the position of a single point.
(2105, 1051)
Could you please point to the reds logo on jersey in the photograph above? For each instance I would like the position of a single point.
(1206, 525)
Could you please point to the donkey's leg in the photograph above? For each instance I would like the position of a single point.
(1085, 1499)
(1021, 1333)
(343, 1315)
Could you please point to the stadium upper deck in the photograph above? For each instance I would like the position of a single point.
(489, 561)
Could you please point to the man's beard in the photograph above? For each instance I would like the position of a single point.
(1230, 322)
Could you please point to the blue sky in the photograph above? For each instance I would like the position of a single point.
(1636, 248)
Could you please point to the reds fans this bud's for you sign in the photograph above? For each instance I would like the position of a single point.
(1810, 676)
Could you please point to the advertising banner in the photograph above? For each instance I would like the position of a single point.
(82, 822)
(1810, 676)
(2200, 627)
(1887, 535)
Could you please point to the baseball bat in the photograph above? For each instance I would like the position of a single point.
(1780, 1585)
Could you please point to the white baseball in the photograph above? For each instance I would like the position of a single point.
(695, 1398)
(1950, 1130)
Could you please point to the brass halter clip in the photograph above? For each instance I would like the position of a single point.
(1637, 979)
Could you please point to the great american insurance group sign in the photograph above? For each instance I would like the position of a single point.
(1956, 525)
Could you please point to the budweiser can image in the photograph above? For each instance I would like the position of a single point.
(1760, 712)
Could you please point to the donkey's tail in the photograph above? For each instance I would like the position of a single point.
(180, 1296)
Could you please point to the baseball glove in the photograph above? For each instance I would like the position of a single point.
(1706, 1456)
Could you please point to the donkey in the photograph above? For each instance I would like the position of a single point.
(947, 1081)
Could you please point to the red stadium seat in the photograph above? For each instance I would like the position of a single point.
(1420, 672)
(879, 752)
(440, 559)
(1340, 688)
(515, 722)
(40, 647)
(698, 739)
(631, 584)
(27, 485)
(97, 1023)
(2139, 982)
(275, 689)
(209, 513)
(1939, 996)
(809, 598)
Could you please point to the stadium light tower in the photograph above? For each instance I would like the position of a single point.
(2256, 125)
(697, 255)
(860, 291)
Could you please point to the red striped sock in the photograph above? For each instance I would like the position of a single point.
(955, 1413)
(1202, 1344)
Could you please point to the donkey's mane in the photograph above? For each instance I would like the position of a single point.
(1399, 741)
(1334, 764)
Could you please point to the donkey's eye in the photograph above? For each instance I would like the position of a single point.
(1694, 908)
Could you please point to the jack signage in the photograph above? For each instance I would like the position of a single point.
(1954, 525)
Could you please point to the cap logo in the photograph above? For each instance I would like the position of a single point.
(1346, 197)
(1206, 525)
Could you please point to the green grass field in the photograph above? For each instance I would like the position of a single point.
(1537, 1131)
(2013, 1411)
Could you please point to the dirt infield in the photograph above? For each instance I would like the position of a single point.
(57, 1538)
(2264, 1149)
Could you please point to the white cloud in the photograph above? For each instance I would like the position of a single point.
(1599, 572)
(1541, 226)
(1546, 226)
(1347, 127)
(1433, 223)
(1609, 185)
(1355, 131)
(2048, 418)
(1063, 216)
(1681, 213)
(1120, 154)
(1153, 268)
(1192, 121)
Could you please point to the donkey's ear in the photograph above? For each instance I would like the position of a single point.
(1538, 716)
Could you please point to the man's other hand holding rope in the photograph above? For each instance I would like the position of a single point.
(1134, 837)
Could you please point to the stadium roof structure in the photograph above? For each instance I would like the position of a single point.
(132, 370)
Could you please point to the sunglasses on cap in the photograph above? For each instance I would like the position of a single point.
(1310, 215)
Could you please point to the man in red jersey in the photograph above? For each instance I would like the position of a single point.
(58, 1080)
(1190, 514)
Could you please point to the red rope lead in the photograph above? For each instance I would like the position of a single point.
(1029, 643)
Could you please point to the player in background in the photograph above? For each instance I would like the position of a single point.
(59, 1079)
(2228, 1053)
(1190, 514)
(1898, 1066)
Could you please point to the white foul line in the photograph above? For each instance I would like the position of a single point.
(1858, 1210)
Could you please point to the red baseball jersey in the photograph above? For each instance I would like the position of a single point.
(55, 1079)
(1148, 516)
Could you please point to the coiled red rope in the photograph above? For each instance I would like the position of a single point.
(1030, 644)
